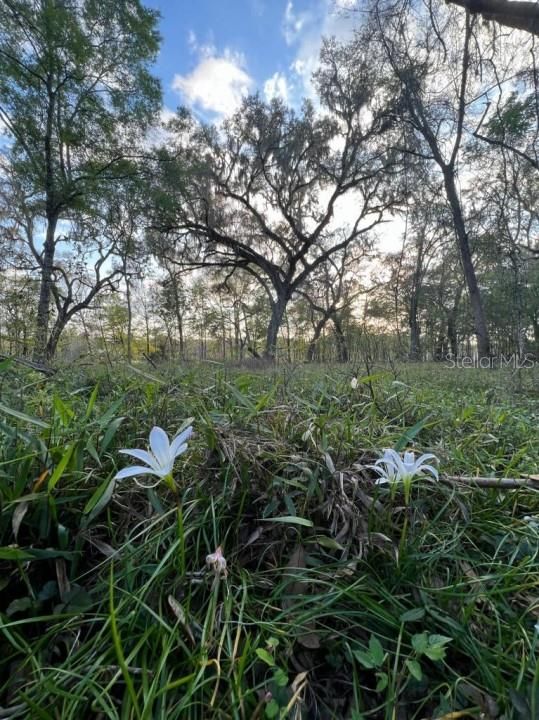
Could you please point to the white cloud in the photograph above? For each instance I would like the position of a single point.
(276, 87)
(217, 84)
(327, 19)
(192, 40)
(294, 23)
(346, 4)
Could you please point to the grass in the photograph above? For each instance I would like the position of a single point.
(340, 601)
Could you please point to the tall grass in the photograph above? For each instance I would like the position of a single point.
(340, 601)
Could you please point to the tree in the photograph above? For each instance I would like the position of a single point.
(263, 193)
(434, 106)
(330, 294)
(520, 14)
(75, 95)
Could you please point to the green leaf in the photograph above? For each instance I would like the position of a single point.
(410, 433)
(435, 653)
(420, 642)
(91, 401)
(376, 651)
(412, 615)
(13, 553)
(22, 416)
(325, 541)
(280, 678)
(439, 640)
(90, 449)
(415, 669)
(364, 659)
(110, 432)
(272, 709)
(383, 681)
(64, 412)
(265, 657)
(436, 648)
(366, 379)
(99, 500)
(19, 605)
(290, 519)
(59, 469)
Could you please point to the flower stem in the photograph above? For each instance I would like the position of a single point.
(181, 534)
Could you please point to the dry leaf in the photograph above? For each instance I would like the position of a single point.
(61, 577)
(40, 480)
(18, 515)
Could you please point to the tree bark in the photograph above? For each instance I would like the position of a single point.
(129, 318)
(277, 313)
(54, 337)
(311, 350)
(41, 353)
(478, 313)
(342, 346)
(413, 320)
(415, 331)
(519, 15)
(535, 324)
(452, 324)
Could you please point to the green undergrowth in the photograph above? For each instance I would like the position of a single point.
(340, 600)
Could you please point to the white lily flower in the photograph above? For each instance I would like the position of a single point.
(217, 562)
(392, 468)
(160, 460)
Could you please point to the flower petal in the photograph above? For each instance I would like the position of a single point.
(134, 470)
(180, 440)
(150, 486)
(423, 458)
(430, 469)
(160, 445)
(146, 457)
(409, 463)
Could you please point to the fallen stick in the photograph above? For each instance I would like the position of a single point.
(500, 483)
(39, 367)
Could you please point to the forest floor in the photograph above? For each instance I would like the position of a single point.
(342, 598)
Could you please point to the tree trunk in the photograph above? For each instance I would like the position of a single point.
(478, 313)
(277, 313)
(41, 353)
(439, 349)
(452, 324)
(535, 324)
(342, 347)
(311, 350)
(129, 319)
(178, 312)
(415, 331)
(54, 337)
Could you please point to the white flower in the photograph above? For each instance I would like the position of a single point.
(160, 460)
(353, 383)
(217, 562)
(393, 468)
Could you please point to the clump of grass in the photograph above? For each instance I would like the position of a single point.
(340, 601)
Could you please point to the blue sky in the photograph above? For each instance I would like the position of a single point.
(215, 51)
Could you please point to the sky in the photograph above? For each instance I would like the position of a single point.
(214, 52)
